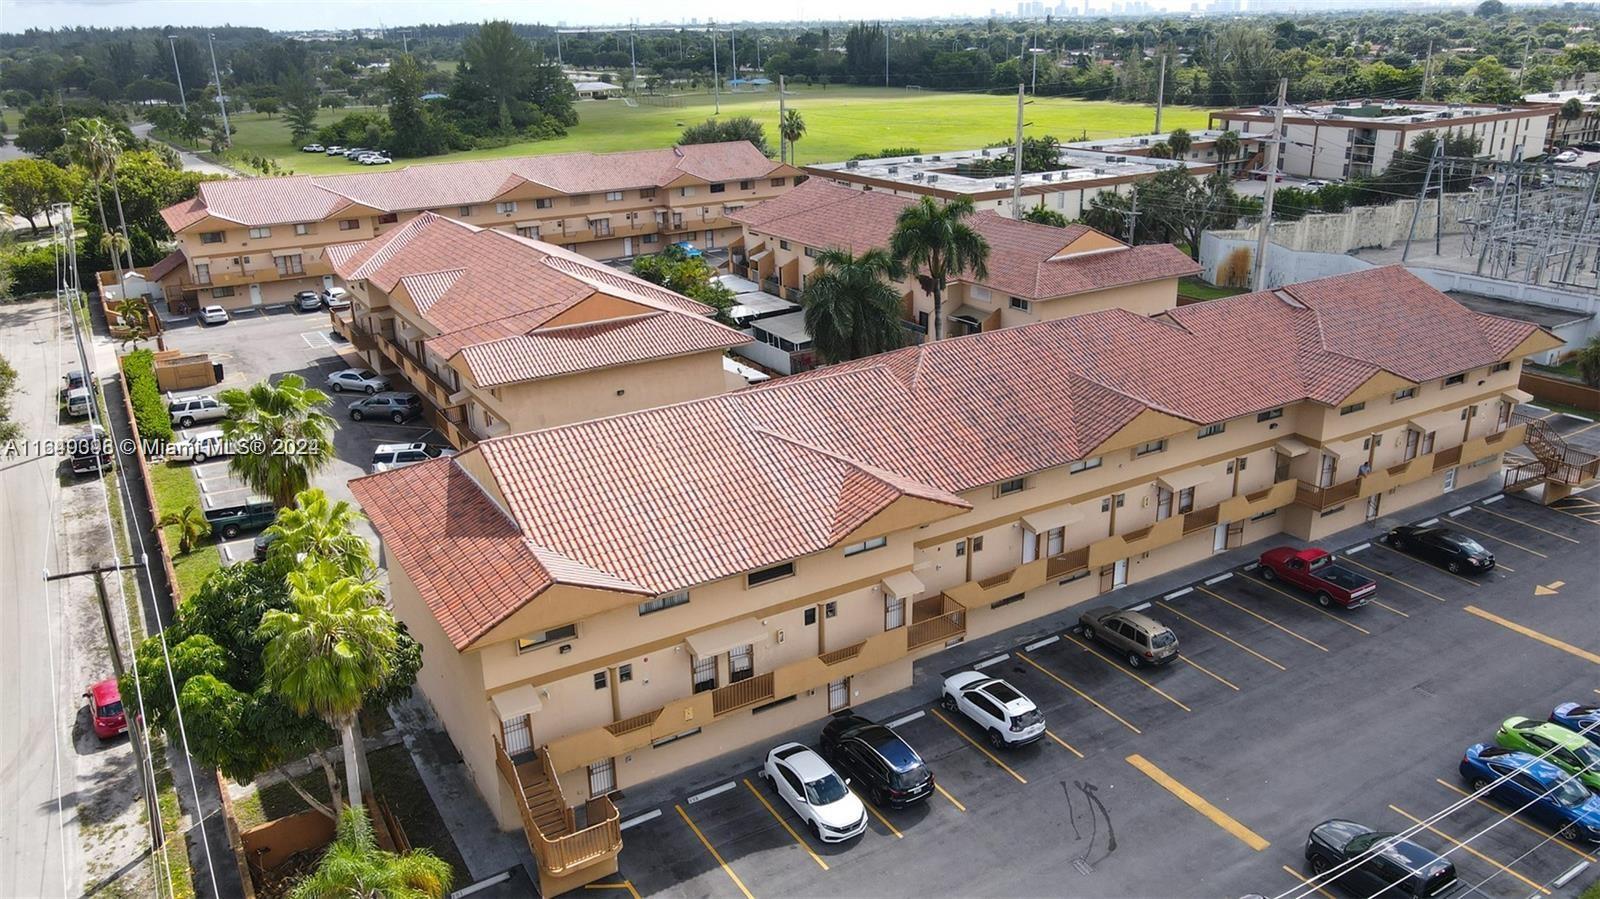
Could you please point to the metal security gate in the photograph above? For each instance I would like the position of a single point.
(517, 734)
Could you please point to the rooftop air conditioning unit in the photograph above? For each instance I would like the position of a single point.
(932, 178)
(1099, 171)
(916, 176)
(983, 152)
(936, 158)
(999, 185)
(1144, 141)
(1447, 115)
(1335, 115)
(916, 159)
(852, 164)
(1049, 176)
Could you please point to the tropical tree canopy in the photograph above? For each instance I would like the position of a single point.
(355, 868)
(285, 437)
(315, 528)
(936, 242)
(852, 308)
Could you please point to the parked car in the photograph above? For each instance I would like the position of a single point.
(263, 545)
(1588, 146)
(105, 709)
(308, 301)
(374, 159)
(1318, 571)
(1383, 863)
(1555, 744)
(357, 379)
(232, 516)
(688, 249)
(816, 793)
(396, 406)
(203, 445)
(355, 153)
(336, 298)
(1007, 717)
(73, 380)
(390, 456)
(79, 402)
(875, 757)
(1315, 183)
(1142, 640)
(187, 410)
(1581, 719)
(1539, 789)
(89, 451)
(334, 150)
(213, 315)
(312, 148)
(1566, 156)
(1454, 550)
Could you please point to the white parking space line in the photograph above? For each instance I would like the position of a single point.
(1040, 644)
(1357, 548)
(640, 819)
(1219, 579)
(1494, 499)
(1428, 524)
(1461, 511)
(994, 661)
(1140, 607)
(714, 791)
(1177, 593)
(238, 550)
(907, 719)
(316, 339)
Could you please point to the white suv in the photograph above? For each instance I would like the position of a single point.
(399, 455)
(816, 793)
(1006, 716)
(188, 410)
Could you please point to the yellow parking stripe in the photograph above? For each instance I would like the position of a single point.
(1297, 876)
(1118, 666)
(1462, 578)
(1439, 833)
(624, 885)
(1525, 524)
(1384, 574)
(978, 746)
(884, 821)
(1217, 633)
(1308, 604)
(1195, 801)
(785, 824)
(1497, 537)
(1208, 673)
(1515, 820)
(1306, 640)
(1091, 700)
(714, 853)
(1526, 631)
(1064, 744)
(946, 794)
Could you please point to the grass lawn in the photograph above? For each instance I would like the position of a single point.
(175, 488)
(1200, 290)
(841, 121)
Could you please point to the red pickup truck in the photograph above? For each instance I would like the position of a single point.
(1318, 571)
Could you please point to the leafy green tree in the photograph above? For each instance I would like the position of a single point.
(1489, 82)
(502, 86)
(1489, 9)
(716, 131)
(1588, 361)
(96, 147)
(852, 308)
(792, 128)
(191, 524)
(691, 276)
(286, 431)
(1044, 215)
(414, 129)
(267, 106)
(315, 528)
(1176, 207)
(28, 187)
(937, 242)
(132, 315)
(353, 867)
(1227, 146)
(10, 429)
(300, 109)
(501, 63)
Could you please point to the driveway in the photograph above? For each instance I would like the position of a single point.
(191, 162)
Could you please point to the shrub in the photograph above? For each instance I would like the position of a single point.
(33, 270)
(149, 409)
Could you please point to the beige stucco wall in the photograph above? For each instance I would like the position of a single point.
(531, 405)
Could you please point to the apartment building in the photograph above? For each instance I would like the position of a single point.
(500, 333)
(1564, 131)
(258, 241)
(605, 602)
(1034, 272)
(1354, 138)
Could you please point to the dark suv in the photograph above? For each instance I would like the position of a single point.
(1382, 862)
(884, 765)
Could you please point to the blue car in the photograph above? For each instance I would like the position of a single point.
(1551, 795)
(1585, 719)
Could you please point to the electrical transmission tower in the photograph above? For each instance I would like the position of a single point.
(1540, 224)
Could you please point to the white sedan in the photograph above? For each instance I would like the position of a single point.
(213, 315)
(362, 380)
(374, 159)
(816, 793)
(313, 148)
(1007, 717)
(202, 445)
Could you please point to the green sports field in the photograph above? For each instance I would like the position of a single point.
(840, 122)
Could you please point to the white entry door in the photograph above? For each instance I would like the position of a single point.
(1219, 537)
(255, 294)
(1119, 575)
(327, 280)
(627, 246)
(1449, 480)
(1372, 505)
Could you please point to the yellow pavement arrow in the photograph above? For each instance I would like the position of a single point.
(1550, 589)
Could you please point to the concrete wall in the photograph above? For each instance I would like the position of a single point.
(1284, 265)
(1365, 226)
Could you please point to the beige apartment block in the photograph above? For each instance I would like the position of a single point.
(605, 602)
(1034, 272)
(501, 334)
(258, 241)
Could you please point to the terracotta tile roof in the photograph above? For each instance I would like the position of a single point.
(168, 264)
(671, 497)
(552, 352)
(1022, 256)
(443, 186)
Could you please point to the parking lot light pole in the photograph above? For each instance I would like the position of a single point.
(182, 100)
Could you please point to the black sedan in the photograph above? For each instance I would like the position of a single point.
(1379, 863)
(877, 761)
(1452, 549)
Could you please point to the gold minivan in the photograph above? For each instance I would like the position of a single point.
(1140, 639)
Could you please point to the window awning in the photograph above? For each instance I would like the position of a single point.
(904, 585)
(970, 314)
(516, 702)
(1049, 519)
(1417, 424)
(724, 637)
(289, 251)
(1517, 396)
(1292, 448)
(1183, 480)
(760, 255)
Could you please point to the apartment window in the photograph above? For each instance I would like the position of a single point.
(302, 229)
(388, 218)
(1352, 408)
(1154, 446)
(289, 265)
(648, 193)
(1015, 485)
(1084, 465)
(1021, 305)
(506, 207)
(1210, 430)
(774, 573)
(211, 237)
(1413, 439)
(664, 601)
(779, 182)
(961, 548)
(529, 231)
(624, 673)
(602, 227)
(218, 293)
(894, 611)
(747, 185)
(922, 321)
(553, 635)
(1455, 379)
(811, 252)
(839, 695)
(1270, 414)
(202, 273)
(613, 196)
(718, 188)
(599, 680)
(1185, 500)
(677, 221)
(464, 211)
(259, 233)
(1499, 367)
(1427, 442)
(602, 777)
(866, 545)
(830, 609)
(1404, 393)
(687, 191)
(349, 224)
(811, 616)
(1055, 541)
(741, 665)
(705, 674)
(651, 238)
(783, 245)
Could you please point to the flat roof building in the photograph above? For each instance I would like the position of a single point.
(1563, 131)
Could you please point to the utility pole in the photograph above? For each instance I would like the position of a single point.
(222, 101)
(886, 56)
(716, 73)
(405, 43)
(1161, 91)
(559, 63)
(184, 101)
(1272, 182)
(1016, 173)
(1523, 72)
(1133, 216)
(1427, 71)
(633, 61)
(733, 35)
(783, 145)
(1427, 181)
(1033, 88)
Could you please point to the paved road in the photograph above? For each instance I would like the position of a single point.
(191, 162)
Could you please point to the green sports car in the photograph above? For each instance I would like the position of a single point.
(1565, 749)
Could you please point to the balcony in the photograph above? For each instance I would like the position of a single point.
(1249, 505)
(1060, 566)
(1409, 471)
(738, 695)
(937, 619)
(345, 324)
(422, 379)
(1150, 537)
(997, 587)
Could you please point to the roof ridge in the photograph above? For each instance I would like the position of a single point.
(639, 316)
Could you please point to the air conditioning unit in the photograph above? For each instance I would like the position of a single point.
(893, 169)
(999, 185)
(936, 158)
(1144, 141)
(932, 178)
(1049, 176)
(1099, 171)
(853, 164)
(983, 152)
(916, 159)
(916, 176)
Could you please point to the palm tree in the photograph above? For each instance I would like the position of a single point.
(132, 315)
(318, 529)
(98, 148)
(1227, 147)
(1587, 360)
(191, 524)
(355, 868)
(287, 437)
(1179, 142)
(791, 129)
(936, 242)
(851, 307)
(324, 656)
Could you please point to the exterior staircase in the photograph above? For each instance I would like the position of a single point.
(568, 856)
(1556, 469)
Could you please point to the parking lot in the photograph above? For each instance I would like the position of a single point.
(257, 345)
(1203, 778)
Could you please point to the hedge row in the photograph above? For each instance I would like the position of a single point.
(149, 408)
